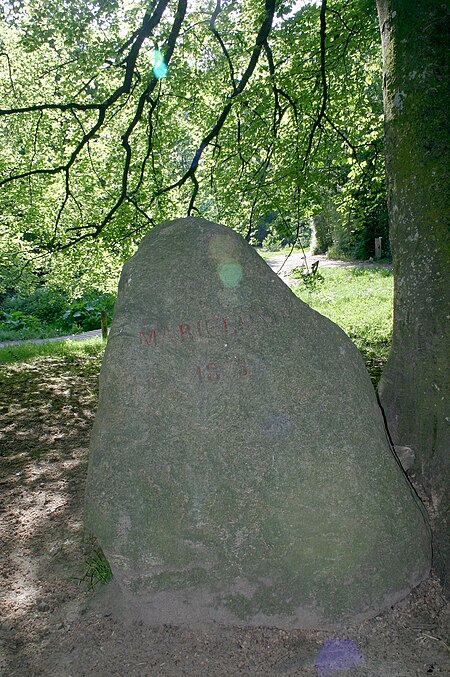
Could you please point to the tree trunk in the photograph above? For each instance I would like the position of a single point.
(414, 386)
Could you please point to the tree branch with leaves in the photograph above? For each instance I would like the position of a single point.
(228, 133)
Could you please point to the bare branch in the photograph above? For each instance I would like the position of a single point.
(189, 174)
(218, 37)
(277, 111)
(51, 106)
(10, 73)
(149, 151)
(194, 195)
(323, 75)
(143, 99)
(261, 39)
(115, 101)
(149, 22)
(343, 136)
(250, 224)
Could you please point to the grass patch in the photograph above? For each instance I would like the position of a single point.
(98, 570)
(69, 349)
(31, 333)
(360, 301)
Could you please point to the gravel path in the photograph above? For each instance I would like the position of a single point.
(283, 265)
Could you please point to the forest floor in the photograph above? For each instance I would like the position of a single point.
(52, 625)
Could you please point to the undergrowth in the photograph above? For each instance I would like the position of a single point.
(47, 312)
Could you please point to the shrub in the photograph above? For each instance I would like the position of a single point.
(16, 321)
(45, 303)
(85, 312)
(47, 312)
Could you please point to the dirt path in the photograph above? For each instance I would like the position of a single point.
(52, 626)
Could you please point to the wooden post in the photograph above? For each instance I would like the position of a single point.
(378, 247)
(104, 325)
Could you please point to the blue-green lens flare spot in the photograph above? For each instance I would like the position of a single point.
(230, 273)
(159, 66)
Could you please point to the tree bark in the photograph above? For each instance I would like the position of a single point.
(414, 387)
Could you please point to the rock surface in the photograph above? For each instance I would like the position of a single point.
(239, 468)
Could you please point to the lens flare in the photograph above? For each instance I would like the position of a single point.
(159, 65)
(337, 655)
(230, 273)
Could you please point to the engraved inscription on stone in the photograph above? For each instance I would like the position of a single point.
(239, 468)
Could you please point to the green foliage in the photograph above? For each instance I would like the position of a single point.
(85, 313)
(19, 324)
(45, 303)
(48, 312)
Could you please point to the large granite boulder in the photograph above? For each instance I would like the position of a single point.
(239, 468)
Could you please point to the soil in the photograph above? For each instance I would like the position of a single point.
(53, 625)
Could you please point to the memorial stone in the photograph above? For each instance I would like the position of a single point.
(239, 468)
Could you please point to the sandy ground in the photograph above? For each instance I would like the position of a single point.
(52, 625)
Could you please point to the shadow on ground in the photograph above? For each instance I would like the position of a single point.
(53, 626)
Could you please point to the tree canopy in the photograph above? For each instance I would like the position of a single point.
(117, 115)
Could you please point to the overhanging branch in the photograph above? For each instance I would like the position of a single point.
(323, 75)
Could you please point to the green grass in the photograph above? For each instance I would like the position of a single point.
(29, 351)
(30, 333)
(360, 301)
(98, 570)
